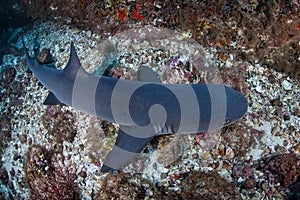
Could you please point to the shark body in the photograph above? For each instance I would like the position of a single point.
(142, 109)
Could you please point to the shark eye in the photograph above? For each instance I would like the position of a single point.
(227, 121)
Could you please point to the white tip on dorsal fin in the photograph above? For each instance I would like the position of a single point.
(146, 74)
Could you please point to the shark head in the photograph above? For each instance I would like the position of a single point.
(237, 105)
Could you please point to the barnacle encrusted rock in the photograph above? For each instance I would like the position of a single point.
(211, 185)
(46, 178)
(60, 124)
(282, 169)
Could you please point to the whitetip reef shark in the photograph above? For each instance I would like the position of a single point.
(143, 109)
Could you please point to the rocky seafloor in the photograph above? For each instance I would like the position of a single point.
(56, 152)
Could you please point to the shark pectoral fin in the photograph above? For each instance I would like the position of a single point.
(126, 149)
(146, 74)
(52, 100)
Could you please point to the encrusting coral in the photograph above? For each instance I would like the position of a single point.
(46, 178)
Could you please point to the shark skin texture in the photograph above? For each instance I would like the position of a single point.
(143, 109)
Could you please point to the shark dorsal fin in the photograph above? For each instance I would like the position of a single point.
(73, 64)
(52, 100)
(146, 74)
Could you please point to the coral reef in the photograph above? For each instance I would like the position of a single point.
(13, 14)
(5, 132)
(8, 49)
(240, 137)
(281, 170)
(235, 77)
(4, 181)
(294, 190)
(285, 58)
(59, 124)
(273, 174)
(246, 41)
(98, 150)
(199, 185)
(45, 57)
(9, 95)
(47, 178)
(194, 185)
(224, 25)
(126, 186)
(8, 75)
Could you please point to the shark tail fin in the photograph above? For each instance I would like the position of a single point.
(30, 61)
(25, 49)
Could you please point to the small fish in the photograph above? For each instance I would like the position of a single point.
(143, 109)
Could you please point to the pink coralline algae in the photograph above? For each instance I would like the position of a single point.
(273, 174)
(5, 132)
(282, 169)
(119, 186)
(46, 178)
(45, 57)
(60, 124)
(245, 171)
(8, 76)
(211, 185)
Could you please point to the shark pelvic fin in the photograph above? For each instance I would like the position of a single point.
(52, 100)
(146, 74)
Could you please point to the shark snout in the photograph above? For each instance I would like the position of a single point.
(237, 105)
